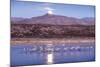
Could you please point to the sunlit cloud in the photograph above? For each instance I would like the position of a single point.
(49, 10)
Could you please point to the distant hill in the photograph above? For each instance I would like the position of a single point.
(54, 20)
(15, 20)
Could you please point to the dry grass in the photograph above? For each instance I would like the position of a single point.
(50, 40)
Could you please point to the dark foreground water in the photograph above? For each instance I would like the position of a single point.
(33, 54)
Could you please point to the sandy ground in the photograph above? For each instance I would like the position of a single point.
(50, 40)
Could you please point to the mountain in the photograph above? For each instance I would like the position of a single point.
(16, 19)
(89, 20)
(53, 20)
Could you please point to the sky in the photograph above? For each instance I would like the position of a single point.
(34, 9)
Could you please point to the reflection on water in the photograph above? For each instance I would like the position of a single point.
(29, 54)
(50, 54)
(50, 58)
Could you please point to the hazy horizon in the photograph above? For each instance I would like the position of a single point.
(53, 14)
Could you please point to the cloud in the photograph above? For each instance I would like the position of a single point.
(49, 8)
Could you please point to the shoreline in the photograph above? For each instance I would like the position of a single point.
(50, 40)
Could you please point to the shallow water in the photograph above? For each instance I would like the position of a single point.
(31, 54)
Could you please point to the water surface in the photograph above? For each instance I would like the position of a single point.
(34, 54)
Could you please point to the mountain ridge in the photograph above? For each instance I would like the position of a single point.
(54, 20)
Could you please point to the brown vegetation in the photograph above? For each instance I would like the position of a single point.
(51, 31)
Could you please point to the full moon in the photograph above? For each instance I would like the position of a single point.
(50, 12)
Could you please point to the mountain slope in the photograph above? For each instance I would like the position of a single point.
(54, 20)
